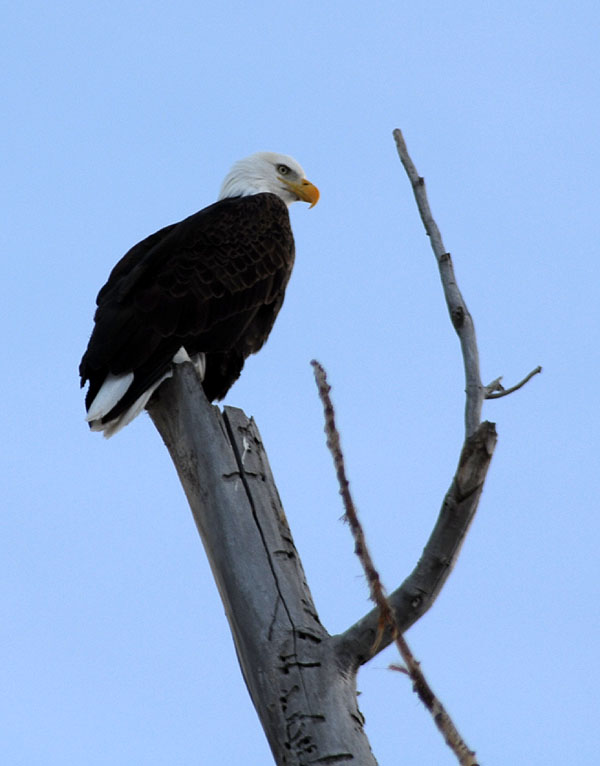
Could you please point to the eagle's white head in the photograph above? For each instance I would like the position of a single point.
(269, 172)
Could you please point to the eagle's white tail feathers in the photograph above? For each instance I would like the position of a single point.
(114, 426)
(115, 387)
(111, 391)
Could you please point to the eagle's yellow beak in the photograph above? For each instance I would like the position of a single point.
(304, 190)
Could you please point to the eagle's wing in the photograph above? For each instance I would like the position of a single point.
(212, 283)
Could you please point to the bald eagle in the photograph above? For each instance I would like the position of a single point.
(206, 290)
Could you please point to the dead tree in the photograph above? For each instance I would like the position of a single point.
(301, 679)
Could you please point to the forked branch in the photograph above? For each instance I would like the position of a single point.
(395, 614)
(387, 617)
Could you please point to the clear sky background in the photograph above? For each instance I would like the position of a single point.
(120, 118)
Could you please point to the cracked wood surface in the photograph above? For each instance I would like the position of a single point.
(305, 698)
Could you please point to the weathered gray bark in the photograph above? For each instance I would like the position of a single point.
(304, 696)
(302, 680)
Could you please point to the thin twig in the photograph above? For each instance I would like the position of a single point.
(465, 756)
(495, 386)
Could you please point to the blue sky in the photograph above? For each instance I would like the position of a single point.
(120, 118)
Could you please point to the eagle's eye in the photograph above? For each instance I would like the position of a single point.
(283, 169)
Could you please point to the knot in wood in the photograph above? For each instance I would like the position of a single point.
(458, 317)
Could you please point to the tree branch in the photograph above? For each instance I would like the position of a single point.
(459, 314)
(496, 386)
(418, 592)
(415, 596)
(387, 617)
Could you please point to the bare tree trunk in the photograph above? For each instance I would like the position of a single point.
(304, 694)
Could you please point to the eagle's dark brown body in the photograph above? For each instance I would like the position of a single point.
(211, 284)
